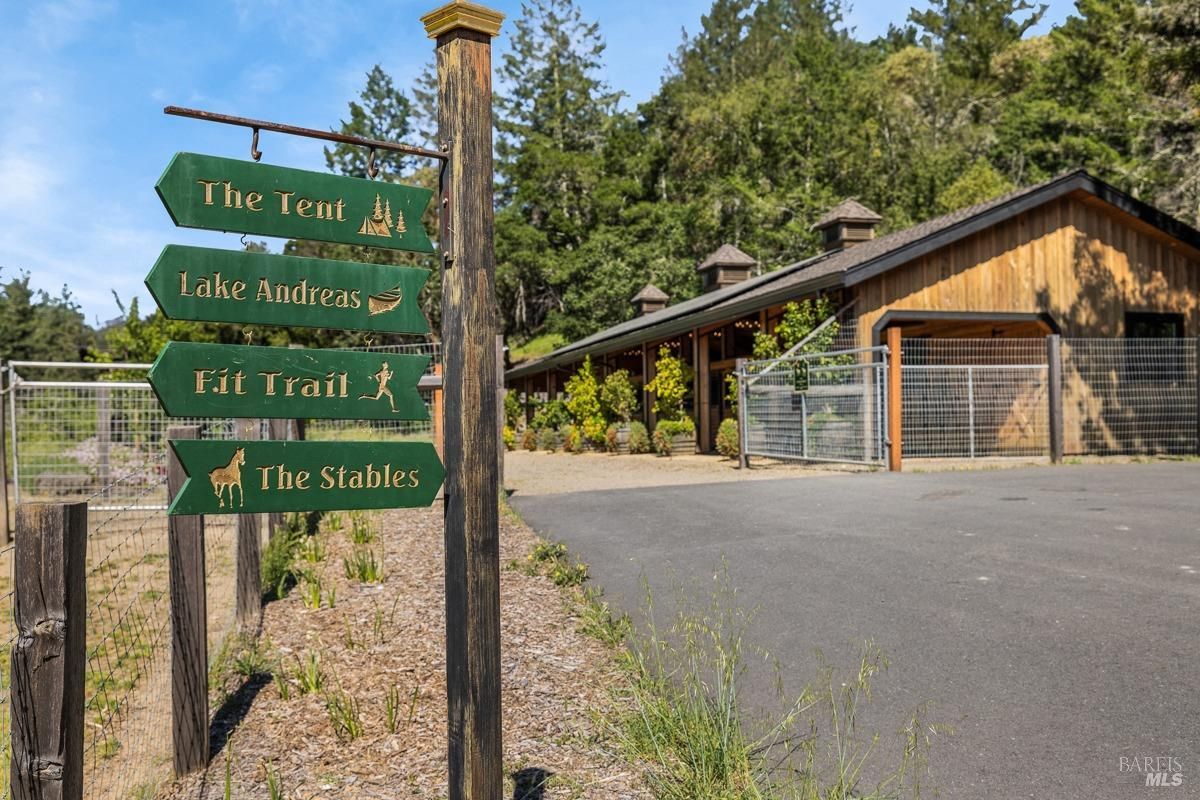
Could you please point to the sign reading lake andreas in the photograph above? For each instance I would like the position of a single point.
(248, 477)
(229, 380)
(224, 194)
(207, 285)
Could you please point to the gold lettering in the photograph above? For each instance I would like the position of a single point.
(327, 477)
(239, 290)
(356, 479)
(326, 294)
(254, 201)
(324, 209)
(183, 285)
(265, 476)
(302, 478)
(413, 480)
(238, 377)
(340, 205)
(289, 385)
(283, 201)
(233, 197)
(264, 291)
(303, 205)
(208, 187)
(202, 376)
(270, 378)
(355, 299)
(310, 387)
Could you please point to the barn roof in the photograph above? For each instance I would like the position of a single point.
(853, 265)
(849, 210)
(652, 293)
(727, 256)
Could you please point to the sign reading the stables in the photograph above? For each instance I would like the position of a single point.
(246, 197)
(225, 380)
(207, 285)
(248, 477)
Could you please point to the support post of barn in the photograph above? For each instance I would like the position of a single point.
(1054, 395)
(470, 323)
(189, 623)
(743, 414)
(48, 657)
(249, 552)
(4, 388)
(894, 400)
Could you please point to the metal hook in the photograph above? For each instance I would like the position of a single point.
(255, 153)
(372, 170)
(368, 340)
(243, 240)
(249, 334)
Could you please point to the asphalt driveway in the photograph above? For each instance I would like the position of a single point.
(1051, 616)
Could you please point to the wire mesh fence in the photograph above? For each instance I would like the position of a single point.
(974, 398)
(817, 407)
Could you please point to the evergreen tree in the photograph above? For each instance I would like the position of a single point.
(382, 114)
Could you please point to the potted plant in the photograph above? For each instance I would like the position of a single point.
(583, 404)
(618, 402)
(675, 431)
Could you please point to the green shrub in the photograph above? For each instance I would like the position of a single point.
(727, 438)
(529, 440)
(513, 412)
(363, 566)
(618, 399)
(552, 415)
(639, 438)
(572, 438)
(662, 442)
(510, 438)
(583, 402)
(667, 429)
(278, 571)
(670, 385)
(547, 439)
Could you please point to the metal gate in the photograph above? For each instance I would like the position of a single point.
(817, 406)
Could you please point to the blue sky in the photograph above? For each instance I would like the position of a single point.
(83, 137)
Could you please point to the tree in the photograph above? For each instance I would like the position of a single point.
(38, 326)
(979, 183)
(382, 114)
(968, 34)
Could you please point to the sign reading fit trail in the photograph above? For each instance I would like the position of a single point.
(224, 194)
(207, 285)
(222, 380)
(248, 477)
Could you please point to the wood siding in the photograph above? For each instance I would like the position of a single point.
(1077, 259)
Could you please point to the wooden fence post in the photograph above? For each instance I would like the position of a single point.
(895, 400)
(470, 323)
(48, 659)
(1054, 395)
(281, 430)
(189, 623)
(501, 413)
(4, 450)
(249, 552)
(743, 415)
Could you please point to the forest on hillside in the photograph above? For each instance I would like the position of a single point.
(768, 115)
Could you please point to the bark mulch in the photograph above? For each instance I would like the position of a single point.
(390, 636)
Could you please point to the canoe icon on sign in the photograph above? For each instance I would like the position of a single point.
(384, 301)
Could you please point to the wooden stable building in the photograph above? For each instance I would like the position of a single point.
(1072, 255)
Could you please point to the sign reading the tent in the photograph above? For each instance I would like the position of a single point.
(246, 197)
(206, 285)
(222, 380)
(248, 477)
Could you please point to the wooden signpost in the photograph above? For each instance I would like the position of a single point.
(251, 476)
(200, 283)
(226, 380)
(223, 194)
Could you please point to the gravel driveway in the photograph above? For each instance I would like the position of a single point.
(1050, 615)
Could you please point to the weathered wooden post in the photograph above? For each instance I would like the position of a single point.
(249, 552)
(48, 659)
(469, 327)
(280, 430)
(501, 413)
(189, 623)
(743, 415)
(1054, 394)
(4, 450)
(895, 400)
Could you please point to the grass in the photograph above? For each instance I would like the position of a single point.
(310, 677)
(552, 560)
(536, 347)
(344, 715)
(363, 566)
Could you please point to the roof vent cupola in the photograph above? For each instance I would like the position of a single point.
(847, 224)
(649, 299)
(725, 267)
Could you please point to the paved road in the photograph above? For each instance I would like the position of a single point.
(1050, 615)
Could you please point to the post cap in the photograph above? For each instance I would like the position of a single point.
(460, 14)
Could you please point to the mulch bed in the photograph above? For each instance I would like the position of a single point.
(391, 636)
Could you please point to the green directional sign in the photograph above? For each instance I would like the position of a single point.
(224, 194)
(229, 380)
(248, 477)
(207, 285)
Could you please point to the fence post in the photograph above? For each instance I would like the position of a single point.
(4, 452)
(971, 410)
(103, 435)
(280, 430)
(501, 414)
(249, 552)
(804, 424)
(894, 409)
(48, 659)
(189, 624)
(743, 415)
(1055, 395)
(1196, 360)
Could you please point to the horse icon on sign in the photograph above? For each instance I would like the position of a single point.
(226, 477)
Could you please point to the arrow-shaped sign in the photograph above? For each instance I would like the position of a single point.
(248, 477)
(224, 194)
(207, 285)
(229, 380)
